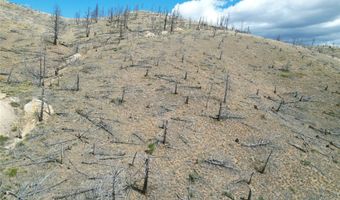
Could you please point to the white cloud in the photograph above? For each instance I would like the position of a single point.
(299, 19)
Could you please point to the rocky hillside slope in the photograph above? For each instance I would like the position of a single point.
(198, 113)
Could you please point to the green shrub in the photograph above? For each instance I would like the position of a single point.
(193, 177)
(305, 162)
(228, 194)
(14, 128)
(151, 148)
(3, 139)
(11, 172)
(14, 104)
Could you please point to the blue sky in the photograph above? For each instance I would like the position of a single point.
(70, 7)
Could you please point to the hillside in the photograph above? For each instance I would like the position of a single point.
(155, 95)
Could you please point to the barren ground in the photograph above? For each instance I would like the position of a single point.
(75, 153)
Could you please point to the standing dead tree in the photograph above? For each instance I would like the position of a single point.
(223, 22)
(77, 83)
(41, 114)
(9, 76)
(174, 17)
(279, 107)
(115, 175)
(209, 94)
(262, 169)
(95, 14)
(122, 99)
(56, 19)
(126, 17)
(110, 15)
(165, 20)
(176, 86)
(221, 54)
(133, 160)
(87, 22)
(146, 177)
(226, 89)
(219, 115)
(187, 100)
(77, 18)
(42, 71)
(42, 74)
(165, 127)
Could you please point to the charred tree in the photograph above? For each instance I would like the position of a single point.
(87, 22)
(165, 21)
(56, 19)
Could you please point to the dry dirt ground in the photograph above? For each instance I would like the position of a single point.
(277, 138)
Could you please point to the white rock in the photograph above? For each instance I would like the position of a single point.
(7, 117)
(148, 34)
(164, 32)
(2, 95)
(34, 106)
(73, 58)
(178, 29)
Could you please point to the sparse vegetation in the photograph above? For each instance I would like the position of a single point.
(11, 172)
(15, 104)
(151, 148)
(3, 139)
(193, 177)
(16, 89)
(151, 105)
(228, 194)
(305, 162)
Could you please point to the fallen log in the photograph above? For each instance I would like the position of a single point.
(219, 163)
(100, 124)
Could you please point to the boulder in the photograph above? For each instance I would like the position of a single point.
(148, 34)
(7, 117)
(34, 107)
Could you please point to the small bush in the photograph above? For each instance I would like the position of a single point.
(11, 172)
(14, 104)
(151, 148)
(228, 194)
(193, 177)
(14, 128)
(305, 162)
(3, 139)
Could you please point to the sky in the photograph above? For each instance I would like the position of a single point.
(302, 20)
(70, 7)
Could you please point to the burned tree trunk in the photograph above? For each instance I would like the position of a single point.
(87, 22)
(40, 73)
(176, 86)
(165, 126)
(172, 25)
(219, 116)
(146, 178)
(77, 83)
(9, 76)
(265, 164)
(56, 24)
(226, 89)
(41, 115)
(95, 14)
(165, 21)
